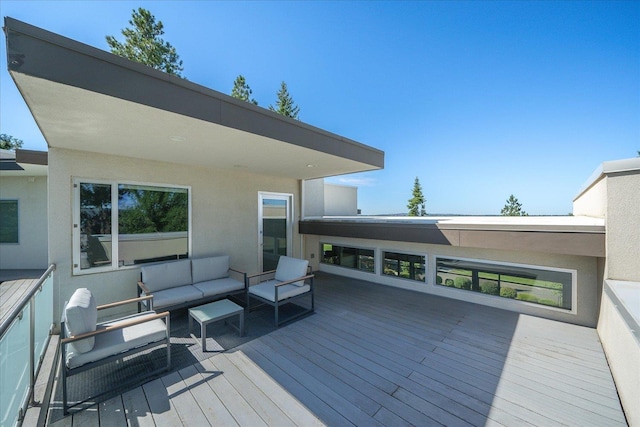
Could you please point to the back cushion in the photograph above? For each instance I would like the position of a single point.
(167, 275)
(81, 316)
(211, 268)
(291, 268)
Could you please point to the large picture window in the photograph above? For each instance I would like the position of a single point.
(406, 266)
(8, 221)
(344, 256)
(126, 224)
(539, 285)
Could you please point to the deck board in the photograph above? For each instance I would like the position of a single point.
(374, 355)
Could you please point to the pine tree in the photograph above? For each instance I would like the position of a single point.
(241, 90)
(513, 208)
(285, 105)
(8, 142)
(416, 203)
(143, 44)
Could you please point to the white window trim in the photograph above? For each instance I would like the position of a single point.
(76, 181)
(507, 301)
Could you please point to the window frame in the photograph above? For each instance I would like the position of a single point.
(425, 263)
(76, 234)
(509, 301)
(17, 202)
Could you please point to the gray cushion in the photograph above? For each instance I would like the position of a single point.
(210, 268)
(81, 316)
(291, 268)
(267, 290)
(116, 342)
(166, 275)
(175, 296)
(219, 286)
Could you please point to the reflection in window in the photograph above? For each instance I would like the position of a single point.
(152, 223)
(357, 258)
(8, 221)
(404, 265)
(525, 283)
(95, 225)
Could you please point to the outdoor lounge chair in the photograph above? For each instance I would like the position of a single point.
(86, 344)
(290, 282)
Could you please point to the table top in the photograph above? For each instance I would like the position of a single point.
(214, 310)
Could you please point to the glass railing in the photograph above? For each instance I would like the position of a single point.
(24, 336)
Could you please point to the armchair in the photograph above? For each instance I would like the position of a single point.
(86, 344)
(290, 282)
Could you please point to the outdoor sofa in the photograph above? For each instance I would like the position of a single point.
(190, 282)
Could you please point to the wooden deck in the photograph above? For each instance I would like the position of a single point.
(11, 293)
(373, 355)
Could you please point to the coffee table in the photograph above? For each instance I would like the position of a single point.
(212, 312)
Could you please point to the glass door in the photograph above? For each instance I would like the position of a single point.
(275, 228)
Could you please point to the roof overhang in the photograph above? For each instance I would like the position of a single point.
(83, 98)
(23, 163)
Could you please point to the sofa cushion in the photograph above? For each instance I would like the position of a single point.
(291, 268)
(267, 290)
(174, 296)
(121, 340)
(211, 268)
(219, 286)
(81, 316)
(166, 275)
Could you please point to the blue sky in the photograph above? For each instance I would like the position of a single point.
(479, 100)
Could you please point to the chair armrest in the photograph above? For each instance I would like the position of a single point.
(298, 279)
(244, 276)
(122, 325)
(264, 273)
(128, 301)
(142, 286)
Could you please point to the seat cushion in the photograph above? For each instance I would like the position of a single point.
(219, 286)
(211, 268)
(291, 268)
(121, 340)
(175, 296)
(267, 290)
(81, 316)
(166, 275)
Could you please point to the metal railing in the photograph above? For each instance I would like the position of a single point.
(24, 336)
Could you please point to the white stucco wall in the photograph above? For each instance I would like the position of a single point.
(313, 194)
(31, 251)
(593, 202)
(224, 215)
(623, 226)
(588, 288)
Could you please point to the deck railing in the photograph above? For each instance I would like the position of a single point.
(24, 337)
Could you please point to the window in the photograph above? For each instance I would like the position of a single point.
(539, 285)
(406, 266)
(126, 224)
(357, 258)
(8, 221)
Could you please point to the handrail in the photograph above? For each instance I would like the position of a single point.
(25, 300)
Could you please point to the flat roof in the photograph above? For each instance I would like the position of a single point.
(84, 98)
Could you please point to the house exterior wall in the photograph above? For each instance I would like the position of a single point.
(588, 278)
(340, 200)
(31, 250)
(592, 202)
(224, 215)
(623, 226)
(313, 193)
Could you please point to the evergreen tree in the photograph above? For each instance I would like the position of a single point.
(513, 208)
(144, 44)
(241, 90)
(416, 203)
(8, 142)
(285, 105)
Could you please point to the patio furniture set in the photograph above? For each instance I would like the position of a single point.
(201, 284)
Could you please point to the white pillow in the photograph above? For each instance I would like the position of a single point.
(291, 268)
(81, 316)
